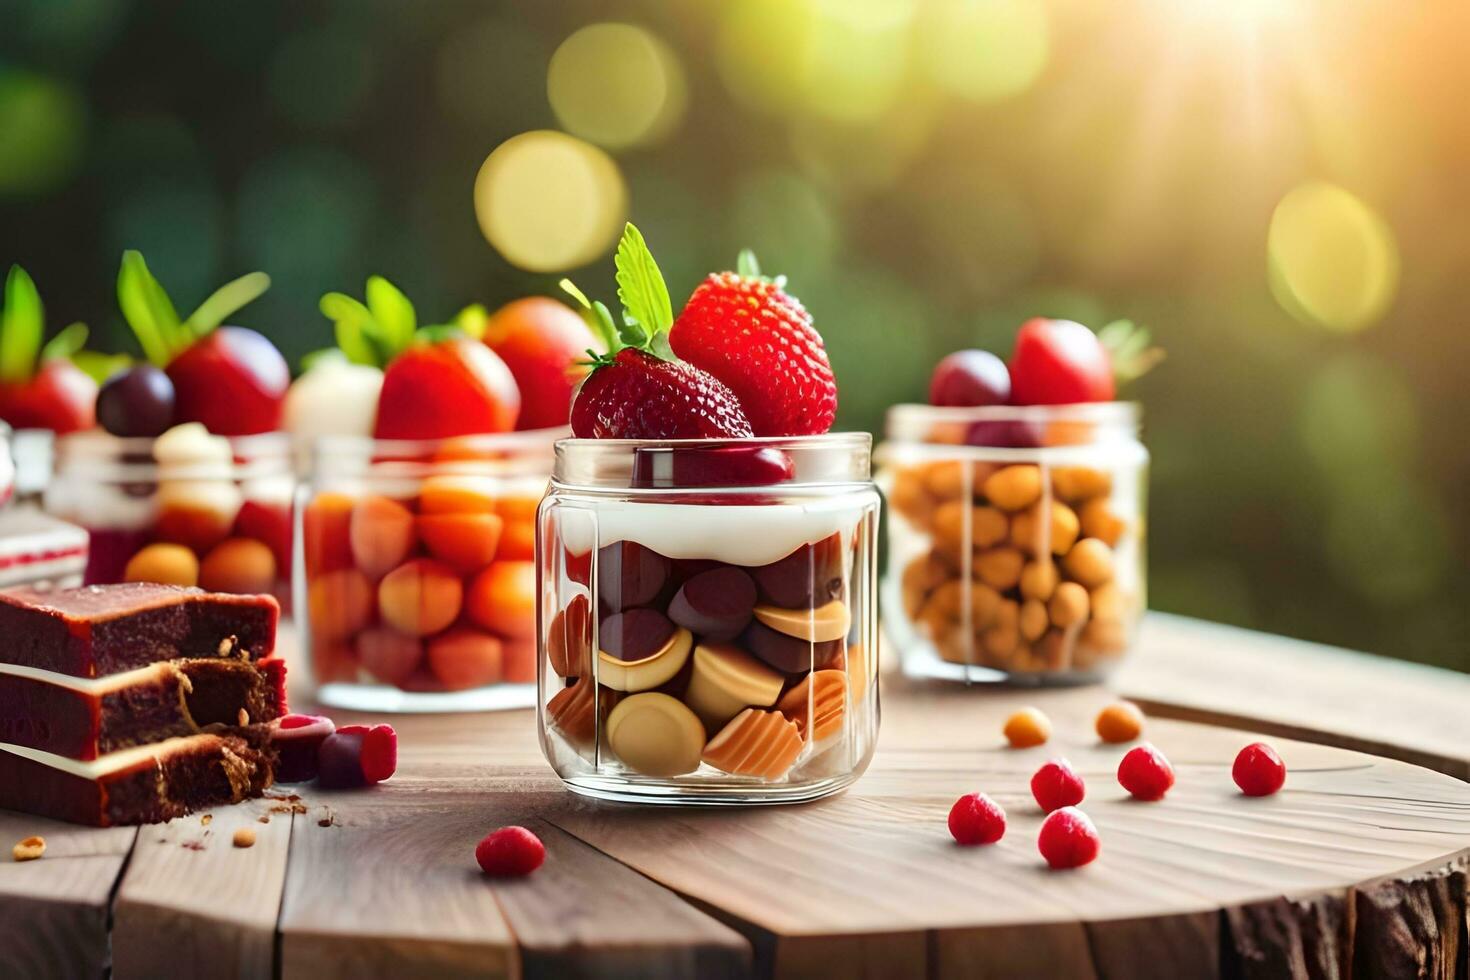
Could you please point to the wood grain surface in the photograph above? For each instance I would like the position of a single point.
(1356, 869)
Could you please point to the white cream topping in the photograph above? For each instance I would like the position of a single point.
(92, 685)
(111, 762)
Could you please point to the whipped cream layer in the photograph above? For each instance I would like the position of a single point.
(106, 765)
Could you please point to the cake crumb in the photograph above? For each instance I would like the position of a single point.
(264, 818)
(29, 849)
(193, 845)
(206, 819)
(244, 837)
(243, 718)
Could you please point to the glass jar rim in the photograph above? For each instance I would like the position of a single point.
(505, 454)
(1115, 413)
(814, 460)
(413, 448)
(97, 454)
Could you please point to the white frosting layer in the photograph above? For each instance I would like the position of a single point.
(92, 685)
(111, 762)
(735, 533)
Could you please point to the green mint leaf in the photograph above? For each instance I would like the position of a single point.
(350, 320)
(747, 265)
(21, 325)
(148, 310)
(570, 288)
(393, 313)
(226, 301)
(473, 320)
(72, 338)
(99, 366)
(641, 288)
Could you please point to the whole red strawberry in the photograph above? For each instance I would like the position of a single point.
(640, 396)
(758, 339)
(446, 387)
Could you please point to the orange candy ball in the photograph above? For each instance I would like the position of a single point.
(466, 542)
(382, 534)
(241, 565)
(420, 597)
(171, 564)
(1121, 721)
(1027, 728)
(463, 658)
(502, 599)
(326, 532)
(338, 603)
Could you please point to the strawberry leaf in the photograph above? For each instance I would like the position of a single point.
(350, 319)
(642, 291)
(148, 310)
(436, 332)
(473, 320)
(99, 366)
(21, 324)
(225, 301)
(747, 265)
(72, 338)
(392, 313)
(1129, 350)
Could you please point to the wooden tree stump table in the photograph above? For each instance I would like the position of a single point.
(1357, 868)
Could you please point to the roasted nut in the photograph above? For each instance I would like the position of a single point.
(1014, 487)
(1039, 579)
(1099, 521)
(244, 837)
(29, 849)
(1103, 636)
(1000, 641)
(909, 498)
(1050, 652)
(1033, 619)
(1077, 483)
(1061, 530)
(1107, 602)
(945, 479)
(1090, 562)
(954, 645)
(988, 527)
(1068, 606)
(920, 577)
(1119, 722)
(1026, 728)
(999, 568)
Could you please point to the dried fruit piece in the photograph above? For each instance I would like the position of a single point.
(1027, 728)
(510, 852)
(338, 603)
(1120, 721)
(824, 692)
(755, 743)
(1068, 839)
(976, 819)
(1056, 784)
(1258, 770)
(465, 542)
(326, 533)
(1145, 773)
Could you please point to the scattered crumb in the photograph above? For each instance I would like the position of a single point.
(29, 849)
(225, 645)
(328, 820)
(193, 845)
(264, 818)
(206, 819)
(244, 837)
(243, 718)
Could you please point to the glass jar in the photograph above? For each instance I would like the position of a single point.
(1015, 540)
(415, 573)
(733, 654)
(187, 508)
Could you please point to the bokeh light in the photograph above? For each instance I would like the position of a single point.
(548, 201)
(617, 85)
(986, 52)
(42, 124)
(491, 72)
(787, 221)
(321, 78)
(1332, 260)
(179, 227)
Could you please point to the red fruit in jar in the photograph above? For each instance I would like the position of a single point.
(715, 605)
(1145, 773)
(388, 655)
(1005, 434)
(1059, 362)
(976, 819)
(752, 335)
(270, 524)
(455, 387)
(1258, 770)
(637, 395)
(1057, 784)
(711, 466)
(60, 396)
(233, 380)
(970, 378)
(629, 574)
(1068, 839)
(137, 402)
(808, 577)
(510, 852)
(463, 657)
(542, 341)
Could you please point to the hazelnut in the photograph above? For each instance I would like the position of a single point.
(1039, 579)
(1014, 487)
(1068, 606)
(1078, 483)
(1060, 532)
(1033, 619)
(1099, 521)
(945, 479)
(1090, 562)
(999, 568)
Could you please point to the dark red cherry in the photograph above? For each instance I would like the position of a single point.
(629, 574)
(788, 654)
(808, 577)
(716, 604)
(634, 634)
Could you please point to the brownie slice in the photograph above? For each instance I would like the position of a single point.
(164, 700)
(96, 630)
(177, 777)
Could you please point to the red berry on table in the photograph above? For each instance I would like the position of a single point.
(510, 852)
(1068, 839)
(40, 388)
(453, 387)
(976, 819)
(1059, 362)
(137, 402)
(970, 378)
(751, 334)
(1258, 770)
(1145, 773)
(544, 343)
(641, 396)
(1057, 784)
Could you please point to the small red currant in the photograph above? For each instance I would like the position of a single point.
(977, 819)
(510, 852)
(1258, 770)
(1145, 773)
(1068, 839)
(1056, 785)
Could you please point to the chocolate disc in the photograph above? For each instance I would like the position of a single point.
(809, 576)
(786, 653)
(629, 574)
(634, 634)
(715, 604)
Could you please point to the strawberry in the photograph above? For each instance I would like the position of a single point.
(640, 390)
(637, 395)
(40, 388)
(750, 333)
(1058, 362)
(453, 387)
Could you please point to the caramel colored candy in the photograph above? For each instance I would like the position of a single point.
(1033, 621)
(569, 639)
(464, 657)
(454, 494)
(389, 655)
(502, 599)
(921, 577)
(909, 498)
(650, 669)
(420, 597)
(574, 710)
(944, 478)
(1099, 521)
(988, 526)
(1090, 562)
(1039, 579)
(786, 653)
(1077, 483)
(382, 534)
(517, 541)
(338, 603)
(656, 735)
(326, 533)
(1027, 728)
(819, 625)
(999, 568)
(1121, 721)
(726, 680)
(1069, 605)
(1059, 534)
(757, 743)
(171, 564)
(822, 694)
(1013, 487)
(858, 671)
(240, 565)
(464, 542)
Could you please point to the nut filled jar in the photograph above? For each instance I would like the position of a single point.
(415, 573)
(1015, 540)
(706, 618)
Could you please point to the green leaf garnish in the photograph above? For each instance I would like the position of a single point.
(72, 338)
(746, 264)
(436, 332)
(21, 325)
(100, 366)
(1129, 350)
(393, 314)
(647, 311)
(473, 320)
(225, 301)
(350, 319)
(148, 310)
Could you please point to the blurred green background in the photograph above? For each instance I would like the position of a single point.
(1276, 188)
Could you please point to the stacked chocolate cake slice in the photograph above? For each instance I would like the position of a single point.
(137, 703)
